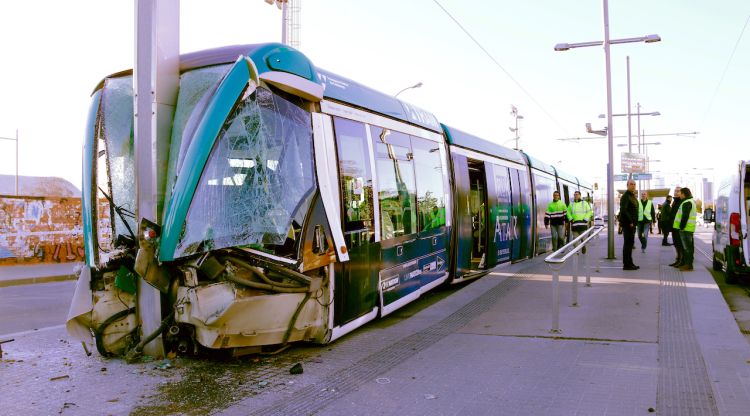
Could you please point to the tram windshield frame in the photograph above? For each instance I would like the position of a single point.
(257, 186)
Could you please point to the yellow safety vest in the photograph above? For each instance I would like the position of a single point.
(644, 212)
(690, 226)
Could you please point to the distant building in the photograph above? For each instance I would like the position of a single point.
(37, 186)
(708, 192)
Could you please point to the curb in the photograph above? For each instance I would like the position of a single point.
(33, 280)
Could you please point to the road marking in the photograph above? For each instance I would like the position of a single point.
(32, 331)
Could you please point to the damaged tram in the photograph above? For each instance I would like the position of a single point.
(299, 205)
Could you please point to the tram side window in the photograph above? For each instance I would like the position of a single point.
(396, 188)
(430, 191)
(355, 175)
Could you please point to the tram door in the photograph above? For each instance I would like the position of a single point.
(522, 244)
(478, 210)
(355, 281)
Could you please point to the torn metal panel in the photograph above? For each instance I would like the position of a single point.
(227, 316)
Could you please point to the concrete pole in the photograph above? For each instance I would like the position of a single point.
(284, 23)
(610, 173)
(155, 82)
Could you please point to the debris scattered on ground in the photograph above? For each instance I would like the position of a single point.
(66, 405)
(296, 369)
(430, 396)
(103, 369)
(164, 364)
(59, 377)
(383, 380)
(4, 341)
(651, 410)
(263, 383)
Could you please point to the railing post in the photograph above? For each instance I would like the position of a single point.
(576, 271)
(555, 301)
(587, 268)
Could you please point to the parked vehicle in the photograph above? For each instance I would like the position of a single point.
(730, 246)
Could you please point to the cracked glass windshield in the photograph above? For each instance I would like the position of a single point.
(258, 182)
(116, 188)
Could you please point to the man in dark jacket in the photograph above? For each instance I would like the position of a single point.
(628, 220)
(676, 233)
(666, 215)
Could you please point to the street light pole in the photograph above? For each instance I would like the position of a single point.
(630, 150)
(417, 85)
(610, 175)
(610, 169)
(514, 113)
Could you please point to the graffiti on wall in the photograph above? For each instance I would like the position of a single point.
(40, 230)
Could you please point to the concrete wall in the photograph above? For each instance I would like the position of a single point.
(40, 230)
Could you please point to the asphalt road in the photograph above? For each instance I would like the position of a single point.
(737, 295)
(35, 306)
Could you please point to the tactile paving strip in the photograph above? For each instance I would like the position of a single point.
(313, 398)
(684, 387)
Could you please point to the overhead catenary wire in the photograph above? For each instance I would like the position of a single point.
(724, 72)
(508, 74)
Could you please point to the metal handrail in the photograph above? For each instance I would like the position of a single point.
(556, 263)
(588, 235)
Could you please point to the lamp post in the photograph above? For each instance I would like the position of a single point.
(417, 85)
(610, 175)
(514, 113)
(15, 140)
(629, 114)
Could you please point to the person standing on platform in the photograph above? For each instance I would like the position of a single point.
(579, 216)
(684, 221)
(555, 218)
(676, 201)
(646, 218)
(666, 215)
(628, 220)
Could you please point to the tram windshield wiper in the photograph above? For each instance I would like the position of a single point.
(124, 213)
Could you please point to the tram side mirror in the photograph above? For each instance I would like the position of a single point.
(319, 243)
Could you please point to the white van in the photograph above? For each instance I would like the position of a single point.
(730, 245)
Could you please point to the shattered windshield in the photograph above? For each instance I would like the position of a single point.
(258, 182)
(115, 164)
(196, 87)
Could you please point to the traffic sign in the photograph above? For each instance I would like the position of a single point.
(620, 178)
(642, 176)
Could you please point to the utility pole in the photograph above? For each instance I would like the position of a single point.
(516, 116)
(290, 21)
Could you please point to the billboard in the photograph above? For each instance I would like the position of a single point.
(633, 162)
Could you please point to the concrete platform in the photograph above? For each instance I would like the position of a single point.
(653, 340)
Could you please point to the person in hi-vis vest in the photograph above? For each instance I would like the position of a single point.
(579, 216)
(555, 218)
(646, 217)
(684, 221)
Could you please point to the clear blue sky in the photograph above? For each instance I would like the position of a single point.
(54, 53)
